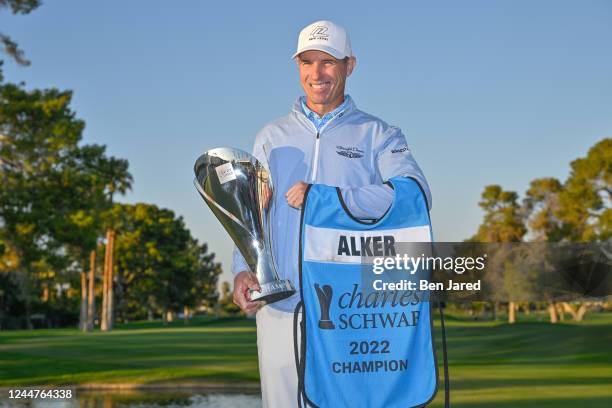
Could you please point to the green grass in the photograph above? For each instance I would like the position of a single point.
(495, 365)
(208, 349)
(530, 364)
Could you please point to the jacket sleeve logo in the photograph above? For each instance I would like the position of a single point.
(400, 150)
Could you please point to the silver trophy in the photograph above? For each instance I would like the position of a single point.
(238, 190)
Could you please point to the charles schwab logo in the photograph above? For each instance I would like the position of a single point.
(349, 152)
(360, 311)
(318, 33)
(325, 295)
(400, 150)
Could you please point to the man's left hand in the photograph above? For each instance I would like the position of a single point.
(295, 195)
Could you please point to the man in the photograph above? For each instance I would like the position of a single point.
(324, 140)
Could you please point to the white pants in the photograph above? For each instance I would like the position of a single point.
(277, 370)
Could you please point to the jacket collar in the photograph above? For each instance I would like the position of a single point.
(297, 110)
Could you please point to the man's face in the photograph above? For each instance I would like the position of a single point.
(323, 78)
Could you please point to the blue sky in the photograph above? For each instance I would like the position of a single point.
(485, 91)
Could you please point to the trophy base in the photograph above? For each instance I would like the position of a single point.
(273, 291)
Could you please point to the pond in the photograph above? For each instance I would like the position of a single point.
(142, 399)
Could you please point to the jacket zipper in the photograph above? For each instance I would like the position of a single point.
(315, 160)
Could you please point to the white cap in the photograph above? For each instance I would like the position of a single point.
(324, 36)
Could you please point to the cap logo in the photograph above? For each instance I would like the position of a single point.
(318, 33)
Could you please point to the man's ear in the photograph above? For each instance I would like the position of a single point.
(350, 65)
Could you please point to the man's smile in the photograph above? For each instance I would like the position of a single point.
(320, 86)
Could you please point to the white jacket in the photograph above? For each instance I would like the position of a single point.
(354, 151)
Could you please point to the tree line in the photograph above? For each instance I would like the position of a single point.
(577, 210)
(65, 243)
(68, 252)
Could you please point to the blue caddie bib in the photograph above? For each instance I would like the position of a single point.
(361, 348)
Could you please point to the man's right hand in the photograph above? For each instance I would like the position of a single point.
(243, 282)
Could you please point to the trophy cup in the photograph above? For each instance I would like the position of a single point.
(238, 190)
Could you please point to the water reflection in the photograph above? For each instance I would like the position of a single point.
(132, 399)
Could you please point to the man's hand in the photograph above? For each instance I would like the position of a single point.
(243, 282)
(295, 195)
